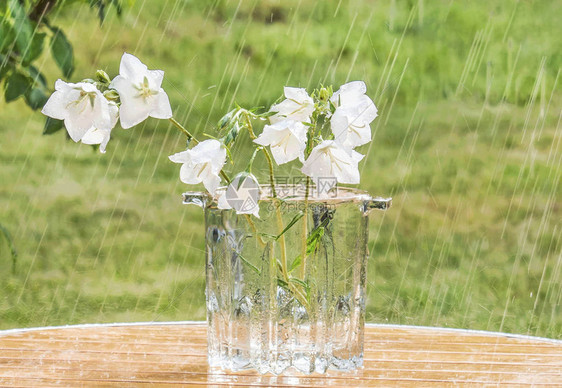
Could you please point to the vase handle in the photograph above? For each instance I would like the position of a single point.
(197, 198)
(378, 203)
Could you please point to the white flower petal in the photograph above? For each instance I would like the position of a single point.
(297, 94)
(103, 144)
(61, 100)
(297, 106)
(97, 136)
(77, 127)
(348, 92)
(268, 136)
(56, 105)
(350, 123)
(132, 68)
(280, 156)
(155, 78)
(329, 160)
(102, 117)
(356, 156)
(181, 157)
(101, 136)
(209, 150)
(202, 163)
(94, 136)
(134, 109)
(287, 140)
(188, 174)
(211, 183)
(63, 86)
(162, 108)
(113, 114)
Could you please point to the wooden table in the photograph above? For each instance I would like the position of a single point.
(172, 354)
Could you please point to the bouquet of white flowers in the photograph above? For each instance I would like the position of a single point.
(321, 130)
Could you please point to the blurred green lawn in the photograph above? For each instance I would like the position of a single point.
(468, 143)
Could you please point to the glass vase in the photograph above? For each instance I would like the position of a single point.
(287, 289)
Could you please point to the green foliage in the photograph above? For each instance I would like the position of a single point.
(16, 85)
(103, 5)
(34, 48)
(61, 49)
(25, 32)
(35, 98)
(52, 126)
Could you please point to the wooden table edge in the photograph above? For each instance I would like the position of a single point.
(8, 332)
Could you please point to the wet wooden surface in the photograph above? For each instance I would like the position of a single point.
(175, 354)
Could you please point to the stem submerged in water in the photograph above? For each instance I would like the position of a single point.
(305, 229)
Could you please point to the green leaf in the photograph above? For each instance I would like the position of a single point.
(282, 283)
(36, 98)
(117, 5)
(22, 26)
(52, 126)
(7, 35)
(300, 283)
(100, 5)
(256, 109)
(313, 239)
(34, 49)
(62, 52)
(297, 217)
(296, 262)
(225, 119)
(37, 76)
(233, 130)
(269, 114)
(253, 267)
(17, 85)
(5, 66)
(279, 265)
(229, 153)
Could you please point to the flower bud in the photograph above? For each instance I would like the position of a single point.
(111, 95)
(102, 77)
(324, 94)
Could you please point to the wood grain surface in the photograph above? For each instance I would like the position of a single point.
(174, 354)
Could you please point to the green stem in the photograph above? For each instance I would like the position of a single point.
(305, 229)
(251, 162)
(271, 175)
(226, 177)
(190, 137)
(266, 153)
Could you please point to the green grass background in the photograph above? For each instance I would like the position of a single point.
(468, 143)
